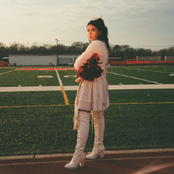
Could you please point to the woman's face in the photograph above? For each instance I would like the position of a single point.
(92, 32)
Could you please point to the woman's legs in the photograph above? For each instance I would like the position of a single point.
(83, 130)
(99, 127)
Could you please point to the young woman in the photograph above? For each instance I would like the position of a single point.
(92, 96)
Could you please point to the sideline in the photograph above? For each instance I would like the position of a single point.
(74, 88)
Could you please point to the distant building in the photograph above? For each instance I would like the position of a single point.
(38, 60)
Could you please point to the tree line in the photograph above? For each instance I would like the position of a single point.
(121, 51)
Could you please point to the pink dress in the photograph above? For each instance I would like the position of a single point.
(93, 95)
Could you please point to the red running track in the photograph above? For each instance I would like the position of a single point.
(124, 163)
(45, 69)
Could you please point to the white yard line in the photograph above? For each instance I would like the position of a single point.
(62, 88)
(132, 77)
(7, 72)
(58, 77)
(74, 88)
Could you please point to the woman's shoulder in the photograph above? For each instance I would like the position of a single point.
(96, 43)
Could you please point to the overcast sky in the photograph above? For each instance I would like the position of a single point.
(138, 23)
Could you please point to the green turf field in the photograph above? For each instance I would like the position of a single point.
(115, 76)
(41, 123)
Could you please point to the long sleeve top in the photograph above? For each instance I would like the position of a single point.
(93, 95)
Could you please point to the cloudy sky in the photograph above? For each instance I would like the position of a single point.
(138, 23)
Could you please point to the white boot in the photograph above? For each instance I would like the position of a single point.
(99, 126)
(83, 130)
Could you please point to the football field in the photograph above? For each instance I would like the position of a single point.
(37, 105)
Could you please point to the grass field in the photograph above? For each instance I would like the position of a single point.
(41, 123)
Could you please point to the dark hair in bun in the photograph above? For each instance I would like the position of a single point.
(99, 24)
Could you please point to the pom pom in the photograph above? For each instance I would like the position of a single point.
(90, 70)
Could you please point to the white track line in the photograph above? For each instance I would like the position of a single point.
(103, 159)
(134, 77)
(153, 168)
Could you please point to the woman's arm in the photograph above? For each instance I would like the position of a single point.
(92, 48)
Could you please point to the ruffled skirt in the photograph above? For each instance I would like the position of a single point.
(92, 95)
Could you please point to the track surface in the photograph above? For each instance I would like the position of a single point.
(126, 162)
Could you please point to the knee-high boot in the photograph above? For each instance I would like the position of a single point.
(99, 126)
(83, 131)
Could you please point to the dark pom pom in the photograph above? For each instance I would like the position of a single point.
(90, 70)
